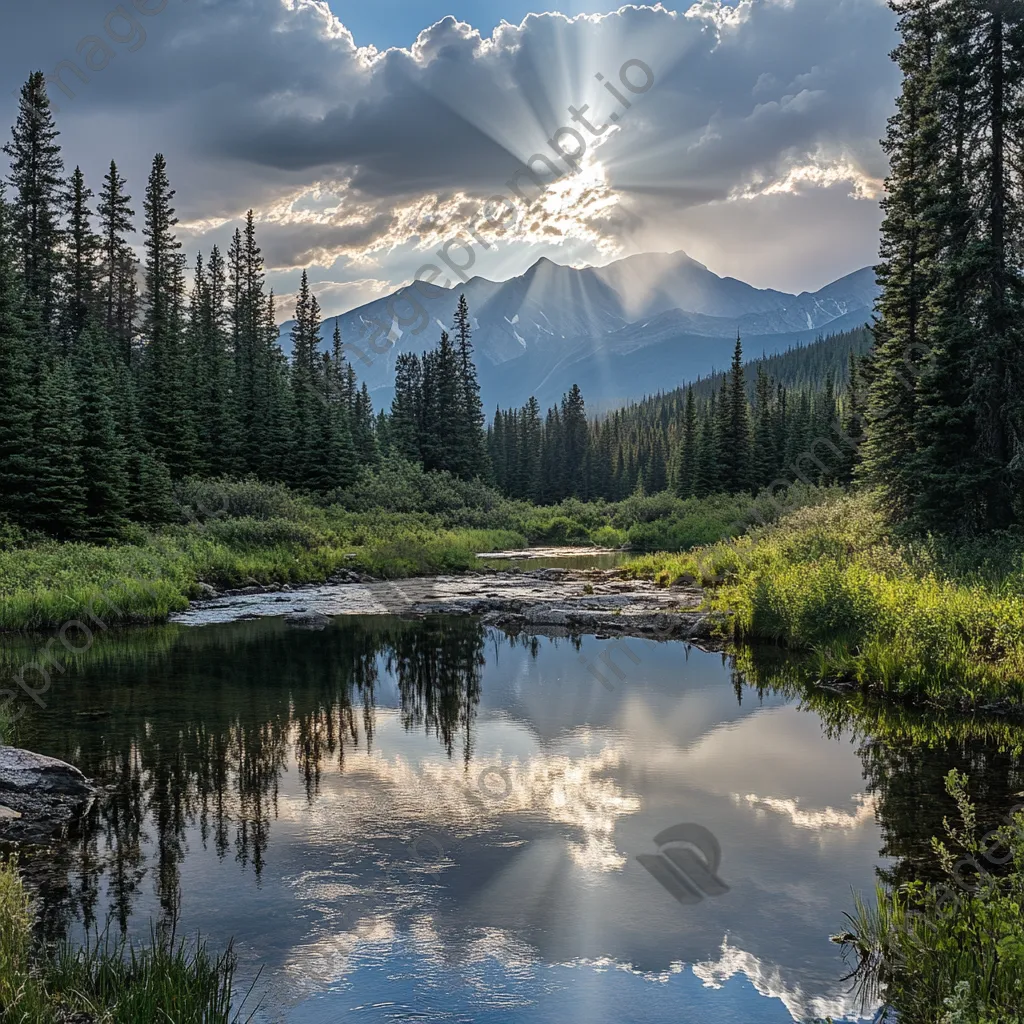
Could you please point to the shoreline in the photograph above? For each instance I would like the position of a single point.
(547, 601)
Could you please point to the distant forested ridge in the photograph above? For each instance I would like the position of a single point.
(790, 417)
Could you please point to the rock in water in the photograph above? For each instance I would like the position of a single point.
(307, 620)
(40, 795)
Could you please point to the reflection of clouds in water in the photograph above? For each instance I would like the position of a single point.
(825, 820)
(768, 980)
(323, 961)
(563, 789)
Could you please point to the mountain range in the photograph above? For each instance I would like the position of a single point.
(634, 327)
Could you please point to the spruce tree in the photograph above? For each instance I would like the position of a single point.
(18, 469)
(907, 270)
(38, 198)
(81, 264)
(166, 418)
(118, 262)
(59, 496)
(763, 451)
(101, 451)
(575, 441)
(407, 407)
(467, 436)
(687, 462)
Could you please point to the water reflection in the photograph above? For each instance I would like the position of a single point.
(432, 815)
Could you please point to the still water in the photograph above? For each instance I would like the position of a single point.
(428, 821)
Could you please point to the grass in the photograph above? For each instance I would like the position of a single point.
(107, 980)
(926, 623)
(258, 534)
(950, 953)
(398, 522)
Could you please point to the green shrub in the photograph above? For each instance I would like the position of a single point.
(608, 537)
(556, 530)
(954, 953)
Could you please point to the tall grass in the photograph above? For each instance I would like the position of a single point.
(238, 533)
(913, 622)
(950, 954)
(108, 980)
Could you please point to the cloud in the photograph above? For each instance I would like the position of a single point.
(352, 153)
(336, 297)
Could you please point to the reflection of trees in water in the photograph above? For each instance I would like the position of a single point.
(906, 755)
(200, 735)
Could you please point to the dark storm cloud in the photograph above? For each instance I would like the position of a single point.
(255, 100)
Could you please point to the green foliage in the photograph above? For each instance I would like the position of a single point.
(907, 620)
(727, 433)
(946, 399)
(952, 953)
(107, 979)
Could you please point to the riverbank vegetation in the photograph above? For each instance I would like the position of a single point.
(106, 980)
(923, 620)
(953, 952)
(397, 521)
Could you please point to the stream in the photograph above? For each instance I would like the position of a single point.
(428, 819)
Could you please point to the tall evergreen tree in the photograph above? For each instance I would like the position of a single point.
(168, 426)
(468, 434)
(81, 264)
(60, 496)
(101, 451)
(38, 194)
(118, 262)
(18, 469)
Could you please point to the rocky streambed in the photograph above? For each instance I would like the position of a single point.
(547, 601)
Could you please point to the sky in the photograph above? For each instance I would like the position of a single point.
(370, 137)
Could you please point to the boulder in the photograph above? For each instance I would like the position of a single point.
(39, 796)
(307, 620)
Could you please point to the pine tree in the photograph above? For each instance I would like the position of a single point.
(341, 453)
(101, 451)
(59, 497)
(167, 424)
(530, 450)
(81, 265)
(364, 437)
(735, 431)
(18, 469)
(37, 180)
(907, 270)
(687, 462)
(118, 263)
(468, 436)
(575, 440)
(441, 395)
(763, 451)
(306, 386)
(407, 407)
